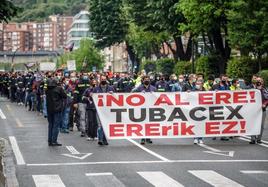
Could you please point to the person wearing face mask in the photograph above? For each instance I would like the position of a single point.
(67, 106)
(91, 114)
(235, 85)
(221, 86)
(208, 85)
(145, 87)
(172, 81)
(190, 84)
(161, 85)
(82, 85)
(181, 81)
(102, 88)
(199, 86)
(72, 114)
(264, 95)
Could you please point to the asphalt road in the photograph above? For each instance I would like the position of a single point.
(167, 162)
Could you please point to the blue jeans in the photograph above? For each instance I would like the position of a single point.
(44, 106)
(65, 118)
(54, 120)
(101, 135)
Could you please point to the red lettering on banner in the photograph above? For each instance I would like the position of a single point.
(140, 98)
(134, 129)
(240, 97)
(229, 128)
(212, 127)
(165, 130)
(116, 130)
(163, 99)
(178, 100)
(186, 130)
(205, 98)
(152, 129)
(111, 99)
(223, 98)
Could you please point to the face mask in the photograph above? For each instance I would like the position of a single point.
(180, 80)
(258, 83)
(146, 83)
(103, 82)
(198, 87)
(194, 80)
(94, 85)
(223, 81)
(85, 77)
(73, 79)
(66, 82)
(59, 77)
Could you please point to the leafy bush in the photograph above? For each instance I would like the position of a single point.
(183, 67)
(243, 67)
(148, 66)
(207, 65)
(264, 75)
(165, 66)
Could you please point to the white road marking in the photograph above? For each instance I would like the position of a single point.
(148, 150)
(104, 180)
(98, 174)
(16, 150)
(146, 162)
(81, 157)
(72, 150)
(48, 181)
(217, 151)
(248, 140)
(2, 115)
(19, 124)
(254, 171)
(8, 107)
(214, 178)
(159, 179)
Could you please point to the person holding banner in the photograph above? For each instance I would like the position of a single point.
(145, 87)
(102, 88)
(264, 95)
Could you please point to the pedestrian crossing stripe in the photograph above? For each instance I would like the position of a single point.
(155, 178)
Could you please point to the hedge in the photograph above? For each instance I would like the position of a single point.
(183, 67)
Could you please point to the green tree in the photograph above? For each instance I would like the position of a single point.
(208, 19)
(248, 27)
(86, 56)
(7, 10)
(160, 16)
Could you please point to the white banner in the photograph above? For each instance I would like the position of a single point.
(180, 114)
(71, 65)
(47, 66)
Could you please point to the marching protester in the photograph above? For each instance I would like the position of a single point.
(66, 98)
(264, 95)
(55, 96)
(145, 87)
(102, 88)
(91, 114)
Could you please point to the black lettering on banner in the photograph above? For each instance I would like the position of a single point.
(214, 114)
(142, 115)
(193, 112)
(174, 115)
(157, 114)
(234, 112)
(118, 114)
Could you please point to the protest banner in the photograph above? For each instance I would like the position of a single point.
(71, 65)
(179, 114)
(47, 66)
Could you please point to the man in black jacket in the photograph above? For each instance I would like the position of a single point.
(55, 96)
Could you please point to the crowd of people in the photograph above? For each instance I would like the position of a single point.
(65, 98)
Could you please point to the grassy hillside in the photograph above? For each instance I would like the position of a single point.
(39, 10)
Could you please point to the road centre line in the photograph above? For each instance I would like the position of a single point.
(146, 162)
(16, 150)
(148, 150)
(2, 115)
(247, 140)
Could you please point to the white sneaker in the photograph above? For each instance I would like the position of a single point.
(201, 142)
(195, 141)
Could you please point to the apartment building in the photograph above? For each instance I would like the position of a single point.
(79, 29)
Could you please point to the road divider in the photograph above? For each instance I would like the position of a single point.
(2, 115)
